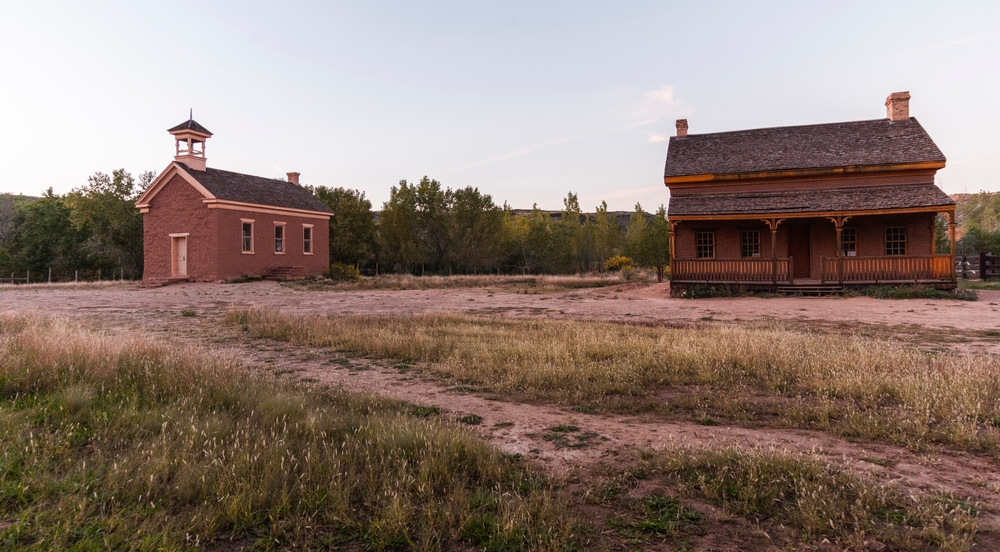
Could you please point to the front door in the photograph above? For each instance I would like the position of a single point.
(798, 250)
(178, 256)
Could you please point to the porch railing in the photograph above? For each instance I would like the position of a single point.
(886, 269)
(731, 271)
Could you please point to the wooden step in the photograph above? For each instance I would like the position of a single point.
(816, 290)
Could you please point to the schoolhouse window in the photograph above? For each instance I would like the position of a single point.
(247, 236)
(705, 242)
(307, 238)
(895, 240)
(279, 238)
(750, 243)
(849, 242)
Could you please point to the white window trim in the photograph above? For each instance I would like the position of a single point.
(242, 222)
(284, 239)
(312, 239)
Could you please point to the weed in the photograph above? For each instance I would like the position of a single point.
(424, 411)
(584, 409)
(706, 421)
(662, 517)
(471, 419)
(188, 313)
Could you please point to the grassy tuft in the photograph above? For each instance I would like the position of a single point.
(850, 385)
(520, 284)
(913, 292)
(115, 441)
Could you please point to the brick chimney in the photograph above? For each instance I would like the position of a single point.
(293, 177)
(682, 128)
(897, 107)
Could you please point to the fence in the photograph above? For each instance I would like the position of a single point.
(983, 266)
(46, 277)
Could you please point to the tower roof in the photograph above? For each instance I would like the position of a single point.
(190, 124)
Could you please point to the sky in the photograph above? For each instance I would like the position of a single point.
(526, 101)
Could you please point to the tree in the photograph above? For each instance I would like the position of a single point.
(104, 211)
(398, 228)
(476, 227)
(569, 232)
(352, 226)
(432, 222)
(648, 241)
(48, 238)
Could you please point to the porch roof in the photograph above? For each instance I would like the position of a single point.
(871, 198)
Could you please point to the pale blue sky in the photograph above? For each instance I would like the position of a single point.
(525, 100)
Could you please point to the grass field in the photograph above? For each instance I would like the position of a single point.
(848, 385)
(523, 284)
(118, 442)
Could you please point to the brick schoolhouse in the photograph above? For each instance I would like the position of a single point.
(204, 224)
(809, 209)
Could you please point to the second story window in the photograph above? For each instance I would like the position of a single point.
(705, 242)
(279, 238)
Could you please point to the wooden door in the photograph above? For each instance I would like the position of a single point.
(178, 256)
(799, 251)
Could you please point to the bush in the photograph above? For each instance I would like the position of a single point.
(618, 262)
(340, 272)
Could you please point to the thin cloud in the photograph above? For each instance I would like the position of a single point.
(655, 137)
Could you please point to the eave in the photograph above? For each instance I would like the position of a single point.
(815, 214)
(802, 173)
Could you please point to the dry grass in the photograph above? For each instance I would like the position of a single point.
(847, 384)
(119, 442)
(522, 284)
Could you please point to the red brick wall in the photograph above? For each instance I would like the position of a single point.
(215, 240)
(233, 263)
(177, 209)
(822, 237)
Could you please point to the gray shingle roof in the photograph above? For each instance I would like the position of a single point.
(804, 201)
(856, 143)
(190, 124)
(256, 189)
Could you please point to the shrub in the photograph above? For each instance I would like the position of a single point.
(340, 272)
(618, 262)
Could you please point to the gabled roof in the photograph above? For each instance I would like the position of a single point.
(190, 124)
(851, 144)
(869, 198)
(245, 188)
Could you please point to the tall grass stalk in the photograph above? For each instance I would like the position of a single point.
(848, 384)
(113, 442)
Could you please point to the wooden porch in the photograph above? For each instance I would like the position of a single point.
(837, 273)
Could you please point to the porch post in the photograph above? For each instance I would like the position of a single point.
(951, 237)
(838, 225)
(773, 225)
(671, 225)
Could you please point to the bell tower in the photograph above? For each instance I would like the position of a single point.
(190, 143)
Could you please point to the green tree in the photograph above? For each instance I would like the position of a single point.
(104, 211)
(398, 229)
(477, 225)
(569, 254)
(433, 222)
(353, 238)
(48, 238)
(648, 241)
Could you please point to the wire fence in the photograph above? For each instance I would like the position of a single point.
(47, 277)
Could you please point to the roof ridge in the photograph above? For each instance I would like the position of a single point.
(786, 127)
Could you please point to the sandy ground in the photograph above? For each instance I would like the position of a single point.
(517, 427)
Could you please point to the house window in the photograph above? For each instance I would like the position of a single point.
(247, 236)
(849, 242)
(705, 241)
(750, 243)
(279, 237)
(895, 240)
(307, 239)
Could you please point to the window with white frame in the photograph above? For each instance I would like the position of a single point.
(895, 240)
(247, 235)
(705, 243)
(750, 243)
(307, 239)
(279, 237)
